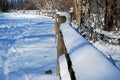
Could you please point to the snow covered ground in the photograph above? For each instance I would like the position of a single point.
(28, 51)
(27, 47)
(110, 50)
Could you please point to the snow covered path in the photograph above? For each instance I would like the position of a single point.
(27, 47)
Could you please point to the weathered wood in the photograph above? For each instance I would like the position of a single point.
(61, 49)
(56, 29)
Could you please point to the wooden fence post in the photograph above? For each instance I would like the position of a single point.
(61, 49)
(60, 43)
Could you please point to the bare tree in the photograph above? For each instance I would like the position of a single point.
(3, 5)
(61, 5)
(77, 5)
(111, 15)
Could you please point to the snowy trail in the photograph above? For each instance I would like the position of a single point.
(27, 47)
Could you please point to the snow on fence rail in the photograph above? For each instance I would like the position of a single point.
(37, 12)
(84, 61)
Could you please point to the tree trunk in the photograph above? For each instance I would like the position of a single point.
(110, 15)
(75, 8)
(78, 11)
(87, 9)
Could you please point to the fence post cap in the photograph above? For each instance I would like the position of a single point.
(65, 14)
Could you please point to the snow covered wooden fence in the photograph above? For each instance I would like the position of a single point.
(37, 12)
(79, 60)
(49, 13)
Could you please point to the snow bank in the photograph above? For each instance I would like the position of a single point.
(19, 15)
(88, 62)
(108, 49)
(64, 68)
